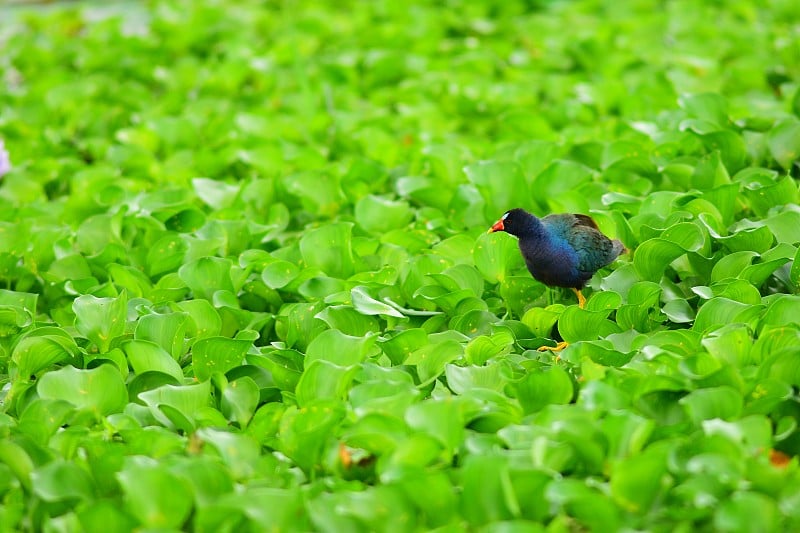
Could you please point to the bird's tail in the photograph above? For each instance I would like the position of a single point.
(619, 248)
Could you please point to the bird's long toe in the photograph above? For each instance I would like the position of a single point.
(557, 348)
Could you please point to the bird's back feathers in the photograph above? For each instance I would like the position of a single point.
(580, 232)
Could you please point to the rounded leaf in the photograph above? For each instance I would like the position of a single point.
(329, 249)
(541, 388)
(217, 354)
(154, 495)
(377, 214)
(784, 142)
(100, 389)
(279, 273)
(495, 255)
(60, 480)
(100, 319)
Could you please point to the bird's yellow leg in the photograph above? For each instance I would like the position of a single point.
(557, 348)
(581, 298)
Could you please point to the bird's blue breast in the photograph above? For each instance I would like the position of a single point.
(553, 262)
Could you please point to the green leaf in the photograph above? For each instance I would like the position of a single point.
(558, 178)
(463, 379)
(100, 389)
(488, 492)
(155, 496)
(378, 214)
(796, 103)
(430, 360)
(24, 300)
(653, 256)
(500, 183)
(784, 142)
(589, 507)
(42, 348)
(688, 236)
(495, 255)
(441, 419)
(731, 266)
(167, 330)
(62, 481)
(18, 461)
(550, 386)
(400, 345)
(207, 275)
(731, 344)
(772, 340)
(431, 492)
(423, 190)
(186, 401)
(244, 265)
(239, 452)
(541, 320)
(186, 221)
(101, 320)
(42, 418)
(205, 320)
(348, 320)
(747, 511)
(784, 226)
(323, 380)
(145, 356)
(105, 515)
(239, 400)
(278, 274)
(285, 366)
(209, 479)
(13, 319)
(367, 305)
(709, 107)
(303, 433)
(335, 347)
(482, 348)
(782, 311)
(721, 311)
(731, 146)
(795, 270)
(679, 311)
(576, 324)
(132, 280)
(328, 248)
(627, 432)
(318, 193)
(765, 189)
(717, 402)
(217, 354)
(783, 366)
(637, 481)
(519, 292)
(758, 240)
(216, 194)
(461, 276)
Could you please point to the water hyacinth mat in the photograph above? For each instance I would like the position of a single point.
(246, 282)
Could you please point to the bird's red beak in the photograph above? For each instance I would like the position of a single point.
(498, 226)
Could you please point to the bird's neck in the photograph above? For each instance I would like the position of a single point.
(534, 229)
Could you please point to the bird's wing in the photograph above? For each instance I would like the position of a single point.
(585, 220)
(594, 250)
(561, 226)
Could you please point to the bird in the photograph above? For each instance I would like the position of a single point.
(560, 250)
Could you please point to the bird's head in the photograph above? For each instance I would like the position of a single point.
(513, 221)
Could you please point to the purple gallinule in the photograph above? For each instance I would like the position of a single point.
(562, 250)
